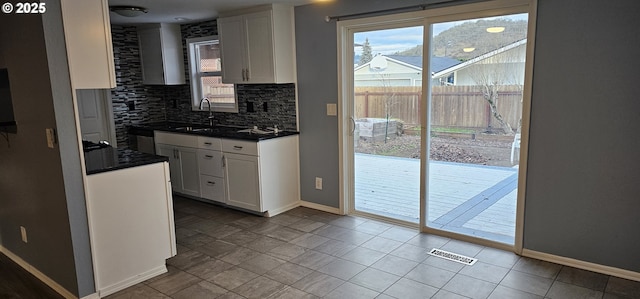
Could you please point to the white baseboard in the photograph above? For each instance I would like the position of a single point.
(41, 276)
(91, 296)
(622, 273)
(277, 211)
(320, 207)
(106, 291)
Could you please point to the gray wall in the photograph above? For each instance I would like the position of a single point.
(582, 192)
(316, 51)
(41, 188)
(583, 195)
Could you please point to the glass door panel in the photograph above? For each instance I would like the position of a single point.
(477, 68)
(387, 82)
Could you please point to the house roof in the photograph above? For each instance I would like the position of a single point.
(446, 71)
(437, 63)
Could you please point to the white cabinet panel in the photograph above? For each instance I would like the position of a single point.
(210, 163)
(190, 178)
(243, 189)
(130, 214)
(161, 54)
(87, 33)
(258, 46)
(212, 188)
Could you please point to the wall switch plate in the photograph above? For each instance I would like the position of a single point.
(318, 183)
(23, 234)
(250, 107)
(51, 137)
(265, 107)
(332, 109)
(131, 105)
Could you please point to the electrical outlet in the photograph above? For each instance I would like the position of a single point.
(23, 233)
(318, 183)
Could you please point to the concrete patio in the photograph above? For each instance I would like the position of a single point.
(470, 199)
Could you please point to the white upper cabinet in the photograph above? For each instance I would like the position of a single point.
(161, 54)
(88, 39)
(257, 45)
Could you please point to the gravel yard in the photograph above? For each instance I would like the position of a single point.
(482, 151)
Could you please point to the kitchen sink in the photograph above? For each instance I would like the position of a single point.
(255, 131)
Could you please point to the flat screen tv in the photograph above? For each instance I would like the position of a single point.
(7, 119)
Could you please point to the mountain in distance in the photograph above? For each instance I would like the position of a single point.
(451, 42)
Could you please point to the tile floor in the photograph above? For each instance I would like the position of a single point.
(305, 253)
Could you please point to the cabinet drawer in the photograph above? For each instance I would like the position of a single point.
(240, 147)
(210, 162)
(212, 188)
(176, 139)
(209, 143)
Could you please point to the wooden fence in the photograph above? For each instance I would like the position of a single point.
(451, 106)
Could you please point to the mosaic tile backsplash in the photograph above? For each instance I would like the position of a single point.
(135, 103)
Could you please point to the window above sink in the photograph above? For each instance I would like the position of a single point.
(205, 73)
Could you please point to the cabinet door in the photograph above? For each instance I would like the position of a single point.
(259, 60)
(190, 177)
(243, 186)
(151, 56)
(232, 48)
(174, 165)
(88, 39)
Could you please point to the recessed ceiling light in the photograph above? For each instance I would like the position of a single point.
(495, 29)
(470, 49)
(182, 19)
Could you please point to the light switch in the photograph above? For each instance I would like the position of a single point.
(332, 109)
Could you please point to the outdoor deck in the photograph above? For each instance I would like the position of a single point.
(465, 198)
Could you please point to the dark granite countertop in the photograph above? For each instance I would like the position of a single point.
(230, 132)
(109, 158)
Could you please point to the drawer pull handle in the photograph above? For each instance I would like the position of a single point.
(211, 183)
(208, 156)
(237, 147)
(207, 143)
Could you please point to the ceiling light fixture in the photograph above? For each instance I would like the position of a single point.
(495, 29)
(128, 11)
(467, 50)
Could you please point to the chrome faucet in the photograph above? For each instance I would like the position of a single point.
(210, 113)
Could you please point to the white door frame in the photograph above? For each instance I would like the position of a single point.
(346, 125)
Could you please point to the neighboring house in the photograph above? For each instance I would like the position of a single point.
(397, 70)
(504, 65)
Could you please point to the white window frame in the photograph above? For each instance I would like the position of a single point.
(194, 77)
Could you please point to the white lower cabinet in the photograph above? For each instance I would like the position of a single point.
(262, 176)
(130, 214)
(183, 163)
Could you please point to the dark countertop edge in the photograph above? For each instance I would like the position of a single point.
(138, 129)
(150, 159)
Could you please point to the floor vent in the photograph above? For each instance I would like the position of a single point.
(453, 256)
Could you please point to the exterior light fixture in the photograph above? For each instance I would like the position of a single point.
(128, 11)
(469, 49)
(495, 29)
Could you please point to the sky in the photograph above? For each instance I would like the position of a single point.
(394, 40)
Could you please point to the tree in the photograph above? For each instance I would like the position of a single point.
(366, 53)
(493, 74)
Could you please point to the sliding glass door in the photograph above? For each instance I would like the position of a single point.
(432, 118)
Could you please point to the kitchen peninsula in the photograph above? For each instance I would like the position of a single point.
(130, 211)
